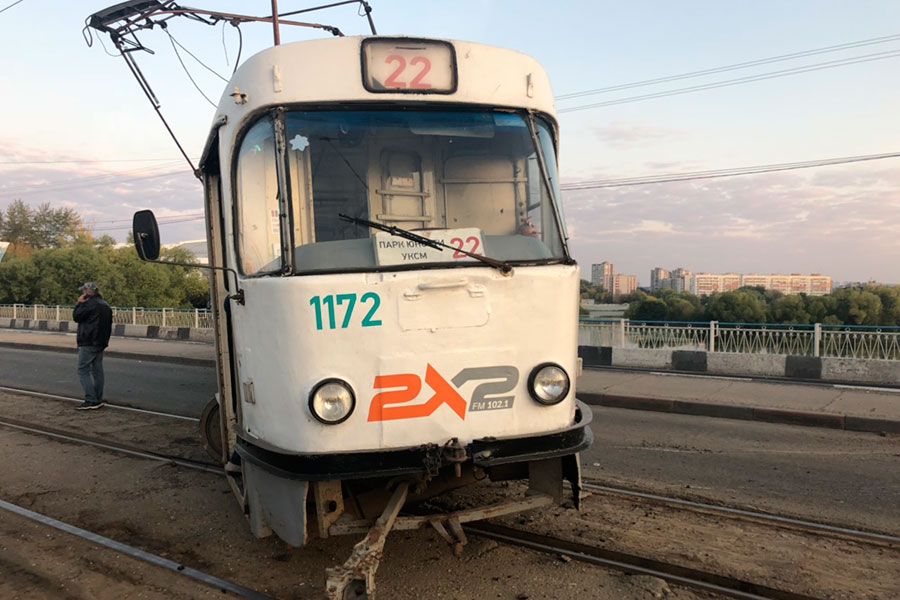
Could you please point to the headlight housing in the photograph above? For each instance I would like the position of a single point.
(548, 384)
(332, 401)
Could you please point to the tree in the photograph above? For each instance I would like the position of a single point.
(790, 309)
(821, 307)
(53, 275)
(890, 303)
(680, 309)
(647, 308)
(858, 307)
(736, 307)
(29, 229)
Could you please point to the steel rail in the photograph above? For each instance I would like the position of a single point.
(211, 580)
(629, 563)
(27, 392)
(120, 448)
(793, 522)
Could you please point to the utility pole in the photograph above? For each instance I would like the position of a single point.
(275, 22)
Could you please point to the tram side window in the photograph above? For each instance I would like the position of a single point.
(259, 241)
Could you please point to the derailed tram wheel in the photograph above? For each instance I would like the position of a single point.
(211, 429)
(356, 590)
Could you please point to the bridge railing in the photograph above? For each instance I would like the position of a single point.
(844, 341)
(197, 318)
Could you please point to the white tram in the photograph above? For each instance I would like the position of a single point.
(401, 317)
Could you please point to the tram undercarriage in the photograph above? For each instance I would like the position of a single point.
(300, 496)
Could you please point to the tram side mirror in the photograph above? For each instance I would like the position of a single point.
(146, 235)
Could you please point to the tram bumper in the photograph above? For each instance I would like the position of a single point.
(277, 485)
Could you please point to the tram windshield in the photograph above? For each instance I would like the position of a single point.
(471, 180)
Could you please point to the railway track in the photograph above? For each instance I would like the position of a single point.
(36, 394)
(224, 585)
(638, 565)
(748, 514)
(670, 572)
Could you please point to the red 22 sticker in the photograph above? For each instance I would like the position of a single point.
(417, 82)
(458, 244)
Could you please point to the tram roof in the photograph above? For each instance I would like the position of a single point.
(330, 70)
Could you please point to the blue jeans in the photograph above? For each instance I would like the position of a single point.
(90, 372)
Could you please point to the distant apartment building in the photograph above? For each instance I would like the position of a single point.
(678, 280)
(703, 284)
(603, 275)
(658, 278)
(814, 285)
(624, 285)
(618, 284)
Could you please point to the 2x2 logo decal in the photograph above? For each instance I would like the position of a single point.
(401, 389)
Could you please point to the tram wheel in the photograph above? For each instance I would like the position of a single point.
(211, 429)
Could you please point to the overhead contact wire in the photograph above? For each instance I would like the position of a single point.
(740, 80)
(714, 174)
(732, 67)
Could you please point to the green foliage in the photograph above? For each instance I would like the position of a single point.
(648, 308)
(790, 309)
(736, 307)
(858, 307)
(861, 305)
(596, 293)
(30, 228)
(667, 305)
(53, 275)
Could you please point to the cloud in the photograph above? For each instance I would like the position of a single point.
(619, 134)
(106, 197)
(845, 223)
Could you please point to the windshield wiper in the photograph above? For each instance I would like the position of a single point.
(501, 266)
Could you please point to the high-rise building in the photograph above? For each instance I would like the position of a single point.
(703, 284)
(678, 280)
(658, 278)
(624, 285)
(603, 275)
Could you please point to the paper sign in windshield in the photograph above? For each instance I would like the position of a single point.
(392, 250)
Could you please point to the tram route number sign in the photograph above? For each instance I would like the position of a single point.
(391, 250)
(408, 66)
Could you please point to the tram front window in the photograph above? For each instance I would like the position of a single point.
(470, 179)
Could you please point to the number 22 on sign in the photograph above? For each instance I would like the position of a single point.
(418, 81)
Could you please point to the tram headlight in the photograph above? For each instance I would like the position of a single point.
(332, 401)
(548, 383)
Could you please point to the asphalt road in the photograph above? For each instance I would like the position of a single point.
(166, 387)
(836, 476)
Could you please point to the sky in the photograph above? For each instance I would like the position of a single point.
(65, 101)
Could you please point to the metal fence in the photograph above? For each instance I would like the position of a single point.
(163, 317)
(843, 341)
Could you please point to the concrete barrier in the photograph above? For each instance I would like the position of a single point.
(760, 365)
(646, 358)
(861, 370)
(119, 330)
(806, 368)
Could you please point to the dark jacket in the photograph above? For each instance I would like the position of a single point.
(94, 318)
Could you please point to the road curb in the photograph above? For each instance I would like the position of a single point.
(746, 413)
(160, 358)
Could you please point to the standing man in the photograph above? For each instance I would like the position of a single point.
(94, 318)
